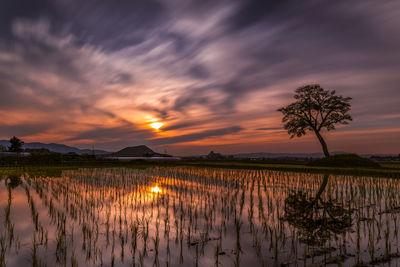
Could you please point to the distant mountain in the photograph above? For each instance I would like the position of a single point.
(137, 151)
(59, 148)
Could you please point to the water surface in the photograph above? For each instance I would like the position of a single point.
(186, 216)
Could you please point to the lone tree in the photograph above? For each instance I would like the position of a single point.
(314, 110)
(3, 148)
(16, 144)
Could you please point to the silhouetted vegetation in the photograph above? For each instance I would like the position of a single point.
(15, 144)
(43, 157)
(380, 158)
(215, 156)
(38, 151)
(315, 109)
(345, 161)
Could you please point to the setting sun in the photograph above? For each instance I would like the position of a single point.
(156, 125)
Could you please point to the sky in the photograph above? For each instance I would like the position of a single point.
(99, 72)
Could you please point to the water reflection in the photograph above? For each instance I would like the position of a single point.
(315, 219)
(155, 189)
(12, 181)
(198, 217)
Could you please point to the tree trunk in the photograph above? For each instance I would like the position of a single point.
(323, 144)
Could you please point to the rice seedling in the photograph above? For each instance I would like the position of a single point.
(200, 216)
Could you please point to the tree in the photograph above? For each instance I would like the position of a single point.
(16, 144)
(315, 109)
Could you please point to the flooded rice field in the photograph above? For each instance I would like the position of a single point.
(183, 216)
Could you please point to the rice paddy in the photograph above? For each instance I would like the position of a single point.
(189, 216)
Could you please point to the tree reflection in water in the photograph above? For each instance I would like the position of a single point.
(315, 219)
(13, 181)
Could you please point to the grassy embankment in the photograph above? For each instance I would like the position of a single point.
(346, 164)
(391, 170)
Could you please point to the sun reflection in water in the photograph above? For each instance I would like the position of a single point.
(155, 189)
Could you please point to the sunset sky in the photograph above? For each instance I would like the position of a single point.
(209, 74)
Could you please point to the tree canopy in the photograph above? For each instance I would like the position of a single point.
(16, 144)
(3, 148)
(315, 109)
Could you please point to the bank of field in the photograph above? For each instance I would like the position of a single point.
(387, 169)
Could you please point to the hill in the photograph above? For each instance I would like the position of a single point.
(59, 148)
(137, 151)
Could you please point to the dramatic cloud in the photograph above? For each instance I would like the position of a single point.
(214, 72)
(268, 129)
(195, 136)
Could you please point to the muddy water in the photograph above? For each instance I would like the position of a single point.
(197, 217)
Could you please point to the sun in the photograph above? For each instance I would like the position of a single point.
(156, 125)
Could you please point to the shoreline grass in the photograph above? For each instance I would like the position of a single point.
(388, 170)
(384, 171)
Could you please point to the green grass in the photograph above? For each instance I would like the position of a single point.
(386, 170)
(345, 161)
(382, 172)
(391, 165)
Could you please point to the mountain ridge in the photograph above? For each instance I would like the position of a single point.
(59, 148)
